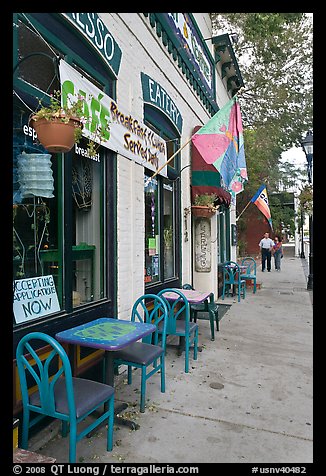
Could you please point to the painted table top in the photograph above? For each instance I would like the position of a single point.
(106, 333)
(193, 296)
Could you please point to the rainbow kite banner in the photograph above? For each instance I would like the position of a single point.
(261, 201)
(220, 143)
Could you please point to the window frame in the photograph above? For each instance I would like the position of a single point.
(156, 121)
(29, 94)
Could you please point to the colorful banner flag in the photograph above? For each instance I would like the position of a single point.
(220, 143)
(260, 199)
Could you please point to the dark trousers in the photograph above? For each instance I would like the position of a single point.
(266, 255)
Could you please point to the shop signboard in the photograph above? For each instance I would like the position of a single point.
(34, 297)
(125, 134)
(94, 30)
(194, 46)
(203, 253)
(156, 95)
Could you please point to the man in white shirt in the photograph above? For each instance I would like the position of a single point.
(266, 245)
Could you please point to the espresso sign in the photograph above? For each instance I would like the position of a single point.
(203, 254)
(96, 33)
(34, 297)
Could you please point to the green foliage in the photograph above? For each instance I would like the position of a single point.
(74, 110)
(65, 113)
(274, 52)
(306, 199)
(206, 199)
(282, 212)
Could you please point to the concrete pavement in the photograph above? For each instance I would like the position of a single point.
(248, 397)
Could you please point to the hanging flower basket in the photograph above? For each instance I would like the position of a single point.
(202, 211)
(57, 134)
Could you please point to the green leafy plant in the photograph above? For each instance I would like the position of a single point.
(71, 111)
(206, 200)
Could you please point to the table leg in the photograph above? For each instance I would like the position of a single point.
(211, 305)
(119, 407)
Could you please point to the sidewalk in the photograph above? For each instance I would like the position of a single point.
(248, 397)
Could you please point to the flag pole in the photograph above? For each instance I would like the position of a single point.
(168, 161)
(243, 210)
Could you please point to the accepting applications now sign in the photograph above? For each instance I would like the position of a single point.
(34, 297)
(125, 134)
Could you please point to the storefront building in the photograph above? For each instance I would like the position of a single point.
(91, 234)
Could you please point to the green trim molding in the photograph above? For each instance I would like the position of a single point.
(181, 36)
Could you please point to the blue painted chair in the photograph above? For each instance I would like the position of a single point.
(151, 309)
(179, 323)
(232, 279)
(58, 394)
(251, 271)
(205, 307)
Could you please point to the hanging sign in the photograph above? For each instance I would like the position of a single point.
(125, 134)
(34, 297)
(203, 254)
(185, 30)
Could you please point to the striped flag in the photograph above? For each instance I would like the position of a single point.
(260, 199)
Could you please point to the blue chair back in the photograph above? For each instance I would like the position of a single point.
(152, 309)
(45, 374)
(187, 286)
(231, 272)
(178, 309)
(250, 263)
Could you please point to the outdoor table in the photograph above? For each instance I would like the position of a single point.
(109, 334)
(197, 297)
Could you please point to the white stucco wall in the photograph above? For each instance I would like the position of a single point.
(143, 51)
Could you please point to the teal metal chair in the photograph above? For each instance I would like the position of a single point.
(58, 394)
(251, 271)
(231, 279)
(206, 307)
(179, 323)
(151, 309)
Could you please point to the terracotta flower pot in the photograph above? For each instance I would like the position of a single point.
(202, 211)
(56, 135)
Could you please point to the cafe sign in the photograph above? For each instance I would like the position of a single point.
(34, 297)
(123, 132)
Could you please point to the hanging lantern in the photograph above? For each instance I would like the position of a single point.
(35, 175)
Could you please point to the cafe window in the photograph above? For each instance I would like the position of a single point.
(60, 201)
(162, 210)
(87, 239)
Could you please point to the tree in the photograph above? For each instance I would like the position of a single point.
(274, 52)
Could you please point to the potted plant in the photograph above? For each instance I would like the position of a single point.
(59, 127)
(203, 205)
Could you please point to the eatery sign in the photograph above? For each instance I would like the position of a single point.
(121, 131)
(34, 297)
(155, 94)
